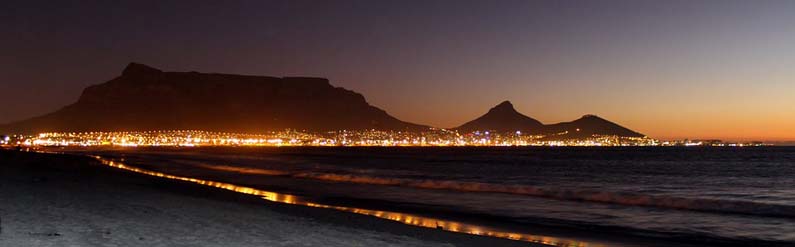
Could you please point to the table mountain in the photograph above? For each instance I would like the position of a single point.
(145, 98)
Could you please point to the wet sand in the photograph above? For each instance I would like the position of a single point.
(63, 200)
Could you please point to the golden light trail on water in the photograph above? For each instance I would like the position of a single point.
(409, 219)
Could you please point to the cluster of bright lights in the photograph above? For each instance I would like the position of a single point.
(187, 138)
(712, 143)
(432, 137)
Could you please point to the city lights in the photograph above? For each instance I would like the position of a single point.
(432, 137)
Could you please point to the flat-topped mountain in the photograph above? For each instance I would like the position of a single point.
(145, 98)
(503, 118)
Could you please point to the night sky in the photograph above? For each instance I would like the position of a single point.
(668, 69)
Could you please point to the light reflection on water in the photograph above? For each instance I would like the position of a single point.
(404, 218)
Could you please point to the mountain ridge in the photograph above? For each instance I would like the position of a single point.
(587, 126)
(145, 98)
(504, 118)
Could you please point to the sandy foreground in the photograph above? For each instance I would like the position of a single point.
(60, 200)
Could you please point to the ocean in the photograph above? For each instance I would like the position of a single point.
(689, 195)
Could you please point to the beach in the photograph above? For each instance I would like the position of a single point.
(67, 200)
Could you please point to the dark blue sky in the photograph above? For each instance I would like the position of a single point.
(666, 68)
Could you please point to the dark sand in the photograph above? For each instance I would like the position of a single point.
(62, 200)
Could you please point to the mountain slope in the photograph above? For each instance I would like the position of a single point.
(503, 118)
(145, 98)
(588, 126)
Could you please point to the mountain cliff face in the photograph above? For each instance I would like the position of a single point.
(503, 118)
(145, 98)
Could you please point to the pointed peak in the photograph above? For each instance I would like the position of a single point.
(503, 118)
(504, 105)
(139, 69)
(504, 108)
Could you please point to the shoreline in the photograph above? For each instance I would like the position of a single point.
(54, 200)
(371, 222)
(500, 226)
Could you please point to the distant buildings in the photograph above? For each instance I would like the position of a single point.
(712, 143)
(432, 137)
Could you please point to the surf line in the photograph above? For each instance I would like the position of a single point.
(408, 219)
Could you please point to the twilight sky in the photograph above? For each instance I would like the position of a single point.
(668, 69)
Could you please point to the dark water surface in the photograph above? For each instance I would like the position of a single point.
(743, 196)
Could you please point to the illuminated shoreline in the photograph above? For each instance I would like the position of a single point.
(363, 138)
(408, 219)
(347, 138)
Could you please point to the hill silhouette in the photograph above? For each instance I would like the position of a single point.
(145, 98)
(588, 126)
(504, 118)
